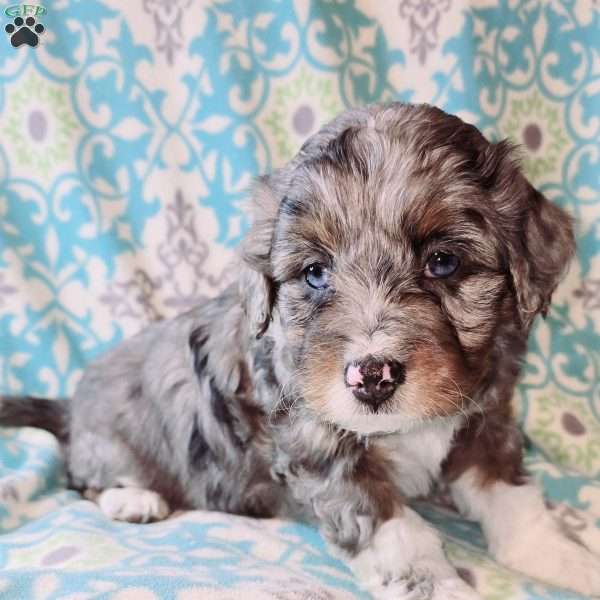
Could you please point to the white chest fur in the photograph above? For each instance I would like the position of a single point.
(418, 454)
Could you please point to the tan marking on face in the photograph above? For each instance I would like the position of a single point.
(438, 379)
(323, 377)
(431, 217)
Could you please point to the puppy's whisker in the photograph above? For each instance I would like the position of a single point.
(472, 401)
(280, 403)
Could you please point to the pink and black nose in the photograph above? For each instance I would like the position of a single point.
(373, 381)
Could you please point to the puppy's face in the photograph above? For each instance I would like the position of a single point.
(392, 253)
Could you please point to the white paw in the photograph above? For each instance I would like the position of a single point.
(421, 585)
(554, 559)
(412, 585)
(405, 561)
(135, 505)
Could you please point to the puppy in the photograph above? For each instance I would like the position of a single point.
(370, 347)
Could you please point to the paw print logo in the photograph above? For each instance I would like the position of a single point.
(24, 32)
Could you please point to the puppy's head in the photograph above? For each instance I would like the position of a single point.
(401, 256)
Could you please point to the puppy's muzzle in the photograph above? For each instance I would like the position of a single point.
(373, 380)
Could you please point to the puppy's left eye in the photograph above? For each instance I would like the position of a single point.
(317, 276)
(441, 264)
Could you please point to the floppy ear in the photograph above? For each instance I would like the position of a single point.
(257, 288)
(538, 234)
(540, 254)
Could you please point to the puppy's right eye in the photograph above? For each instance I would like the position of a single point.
(317, 276)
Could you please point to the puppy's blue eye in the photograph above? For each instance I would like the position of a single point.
(317, 276)
(441, 265)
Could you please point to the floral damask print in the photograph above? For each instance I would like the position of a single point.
(133, 298)
(40, 124)
(300, 105)
(182, 255)
(423, 18)
(65, 549)
(538, 126)
(566, 429)
(590, 293)
(168, 16)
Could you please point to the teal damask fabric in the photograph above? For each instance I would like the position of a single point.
(128, 137)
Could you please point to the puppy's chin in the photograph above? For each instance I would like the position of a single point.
(404, 412)
(344, 410)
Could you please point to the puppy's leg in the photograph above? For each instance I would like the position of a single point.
(404, 560)
(132, 504)
(522, 534)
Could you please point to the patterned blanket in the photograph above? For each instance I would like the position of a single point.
(129, 132)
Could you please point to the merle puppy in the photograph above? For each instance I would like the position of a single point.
(370, 347)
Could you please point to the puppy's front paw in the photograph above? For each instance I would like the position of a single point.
(421, 585)
(134, 505)
(405, 561)
(412, 585)
(555, 559)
